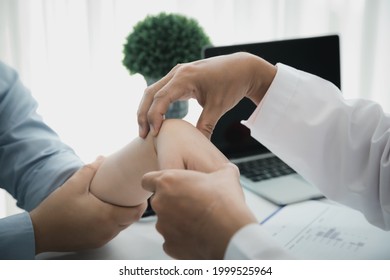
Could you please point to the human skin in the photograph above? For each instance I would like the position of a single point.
(198, 212)
(118, 180)
(191, 228)
(72, 218)
(217, 83)
(178, 146)
(92, 216)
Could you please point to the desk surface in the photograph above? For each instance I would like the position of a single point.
(141, 240)
(315, 230)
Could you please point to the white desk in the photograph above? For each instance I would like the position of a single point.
(302, 226)
(141, 240)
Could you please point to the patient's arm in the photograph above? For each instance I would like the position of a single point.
(179, 145)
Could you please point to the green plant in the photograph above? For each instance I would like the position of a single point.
(159, 42)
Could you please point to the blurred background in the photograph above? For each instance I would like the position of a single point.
(69, 54)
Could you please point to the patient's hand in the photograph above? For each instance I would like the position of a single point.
(72, 219)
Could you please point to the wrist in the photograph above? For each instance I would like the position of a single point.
(228, 224)
(39, 241)
(261, 75)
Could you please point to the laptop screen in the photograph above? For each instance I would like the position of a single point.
(316, 55)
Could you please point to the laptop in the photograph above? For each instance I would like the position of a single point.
(261, 171)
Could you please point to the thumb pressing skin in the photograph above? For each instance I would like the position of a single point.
(150, 180)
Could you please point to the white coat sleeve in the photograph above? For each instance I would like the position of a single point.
(341, 146)
(252, 242)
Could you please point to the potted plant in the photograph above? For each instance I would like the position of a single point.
(159, 42)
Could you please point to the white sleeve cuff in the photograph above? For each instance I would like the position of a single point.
(273, 105)
(252, 242)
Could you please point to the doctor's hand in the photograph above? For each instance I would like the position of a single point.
(198, 213)
(217, 83)
(71, 218)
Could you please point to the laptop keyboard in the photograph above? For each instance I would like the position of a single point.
(264, 169)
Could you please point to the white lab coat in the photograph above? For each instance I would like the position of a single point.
(341, 146)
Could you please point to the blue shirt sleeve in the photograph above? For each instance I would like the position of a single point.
(33, 162)
(17, 237)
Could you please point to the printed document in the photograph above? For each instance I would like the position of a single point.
(321, 230)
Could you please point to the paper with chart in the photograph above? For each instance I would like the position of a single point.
(318, 230)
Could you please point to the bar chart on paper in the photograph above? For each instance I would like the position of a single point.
(318, 230)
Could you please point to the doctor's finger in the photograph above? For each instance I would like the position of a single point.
(147, 100)
(168, 179)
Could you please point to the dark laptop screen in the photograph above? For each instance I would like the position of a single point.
(316, 55)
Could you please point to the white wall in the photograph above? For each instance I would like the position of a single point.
(7, 204)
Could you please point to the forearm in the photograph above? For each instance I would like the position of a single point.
(179, 145)
(118, 180)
